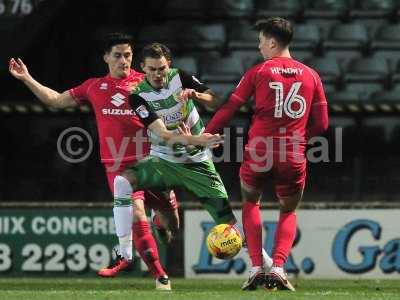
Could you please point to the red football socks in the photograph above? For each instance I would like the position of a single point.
(284, 237)
(252, 228)
(146, 245)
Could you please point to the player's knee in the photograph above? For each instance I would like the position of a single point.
(287, 207)
(122, 187)
(139, 215)
(249, 193)
(289, 203)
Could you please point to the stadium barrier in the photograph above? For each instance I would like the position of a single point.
(335, 240)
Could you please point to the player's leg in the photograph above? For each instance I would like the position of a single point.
(286, 228)
(289, 183)
(141, 233)
(146, 245)
(284, 237)
(153, 174)
(122, 216)
(261, 262)
(206, 184)
(251, 190)
(143, 238)
(202, 180)
(165, 216)
(199, 179)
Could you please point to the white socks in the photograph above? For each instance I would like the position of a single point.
(123, 219)
(123, 216)
(125, 246)
(267, 260)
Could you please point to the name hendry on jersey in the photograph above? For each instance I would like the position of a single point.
(288, 71)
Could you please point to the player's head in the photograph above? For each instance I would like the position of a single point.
(118, 54)
(156, 59)
(275, 35)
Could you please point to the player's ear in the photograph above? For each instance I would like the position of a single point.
(169, 63)
(105, 58)
(275, 43)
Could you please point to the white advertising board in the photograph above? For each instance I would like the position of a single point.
(334, 243)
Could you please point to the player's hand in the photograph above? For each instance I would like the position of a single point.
(210, 140)
(18, 69)
(184, 129)
(187, 94)
(205, 139)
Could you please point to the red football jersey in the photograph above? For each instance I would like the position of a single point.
(284, 91)
(117, 123)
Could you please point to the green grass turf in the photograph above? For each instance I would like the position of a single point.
(190, 289)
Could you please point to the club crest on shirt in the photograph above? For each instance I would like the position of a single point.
(142, 111)
(118, 99)
(176, 94)
(155, 105)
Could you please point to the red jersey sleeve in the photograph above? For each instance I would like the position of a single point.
(240, 95)
(318, 121)
(246, 86)
(80, 92)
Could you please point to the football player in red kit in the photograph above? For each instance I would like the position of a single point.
(122, 142)
(290, 108)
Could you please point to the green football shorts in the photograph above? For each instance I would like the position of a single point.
(200, 179)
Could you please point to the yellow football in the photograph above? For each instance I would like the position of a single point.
(224, 241)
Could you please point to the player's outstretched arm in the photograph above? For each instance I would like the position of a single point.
(205, 140)
(46, 95)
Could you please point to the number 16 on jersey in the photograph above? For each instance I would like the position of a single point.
(284, 104)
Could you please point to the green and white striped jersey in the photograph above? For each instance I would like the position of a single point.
(165, 104)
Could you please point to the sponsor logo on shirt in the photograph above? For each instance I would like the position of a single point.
(142, 111)
(118, 99)
(173, 118)
(118, 112)
(104, 86)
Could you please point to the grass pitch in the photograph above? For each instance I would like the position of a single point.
(190, 289)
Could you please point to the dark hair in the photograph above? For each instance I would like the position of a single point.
(156, 50)
(116, 38)
(278, 28)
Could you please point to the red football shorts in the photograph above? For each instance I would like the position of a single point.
(287, 171)
(164, 201)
